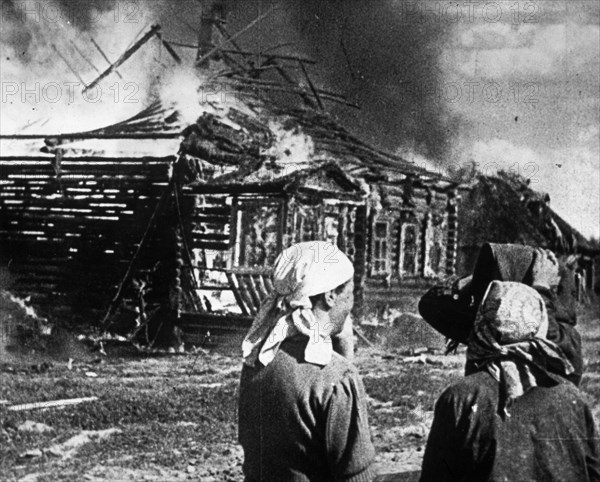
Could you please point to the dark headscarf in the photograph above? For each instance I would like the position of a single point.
(451, 307)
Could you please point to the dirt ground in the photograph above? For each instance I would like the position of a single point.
(173, 417)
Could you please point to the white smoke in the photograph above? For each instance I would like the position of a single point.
(40, 92)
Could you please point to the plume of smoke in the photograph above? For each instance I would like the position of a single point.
(378, 54)
(370, 51)
(38, 85)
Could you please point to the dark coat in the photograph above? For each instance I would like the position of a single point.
(452, 312)
(550, 436)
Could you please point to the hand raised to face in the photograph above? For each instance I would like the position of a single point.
(545, 271)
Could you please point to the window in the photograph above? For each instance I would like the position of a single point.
(331, 229)
(435, 258)
(258, 237)
(306, 223)
(380, 259)
(435, 242)
(409, 249)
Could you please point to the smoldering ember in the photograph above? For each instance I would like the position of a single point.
(161, 161)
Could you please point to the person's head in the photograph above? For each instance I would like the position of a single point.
(321, 272)
(510, 312)
(509, 341)
(337, 303)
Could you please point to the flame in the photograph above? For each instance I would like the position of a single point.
(290, 146)
(182, 89)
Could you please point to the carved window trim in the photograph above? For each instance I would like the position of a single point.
(381, 245)
(402, 247)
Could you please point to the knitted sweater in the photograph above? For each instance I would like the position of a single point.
(300, 422)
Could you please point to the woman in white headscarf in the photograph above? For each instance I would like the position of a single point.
(301, 272)
(302, 413)
(516, 418)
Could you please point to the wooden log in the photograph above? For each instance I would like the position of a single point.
(268, 283)
(213, 211)
(261, 286)
(104, 56)
(231, 38)
(208, 245)
(128, 53)
(210, 237)
(236, 293)
(210, 219)
(248, 282)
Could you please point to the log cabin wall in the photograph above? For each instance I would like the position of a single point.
(412, 244)
(236, 234)
(233, 200)
(69, 228)
(74, 209)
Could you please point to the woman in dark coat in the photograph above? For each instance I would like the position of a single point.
(451, 306)
(515, 417)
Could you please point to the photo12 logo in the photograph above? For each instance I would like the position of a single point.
(470, 11)
(51, 11)
(488, 92)
(54, 92)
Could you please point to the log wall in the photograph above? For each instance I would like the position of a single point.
(70, 225)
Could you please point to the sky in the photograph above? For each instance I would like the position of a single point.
(510, 85)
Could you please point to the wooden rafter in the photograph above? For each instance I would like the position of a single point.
(104, 56)
(128, 53)
(229, 40)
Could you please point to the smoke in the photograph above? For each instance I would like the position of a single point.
(373, 52)
(379, 54)
(48, 57)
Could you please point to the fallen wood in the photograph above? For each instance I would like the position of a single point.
(51, 404)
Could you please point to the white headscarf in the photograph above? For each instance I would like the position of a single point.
(301, 271)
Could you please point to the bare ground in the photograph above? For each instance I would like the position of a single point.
(174, 417)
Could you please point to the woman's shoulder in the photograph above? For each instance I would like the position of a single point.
(475, 388)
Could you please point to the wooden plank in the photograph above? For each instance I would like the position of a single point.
(50, 404)
(66, 217)
(208, 218)
(247, 282)
(224, 211)
(236, 293)
(231, 38)
(269, 283)
(259, 279)
(81, 161)
(209, 245)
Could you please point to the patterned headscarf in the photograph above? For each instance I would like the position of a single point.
(509, 341)
(301, 271)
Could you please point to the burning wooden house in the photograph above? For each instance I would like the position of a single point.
(154, 218)
(152, 214)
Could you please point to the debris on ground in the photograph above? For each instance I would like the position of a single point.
(29, 426)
